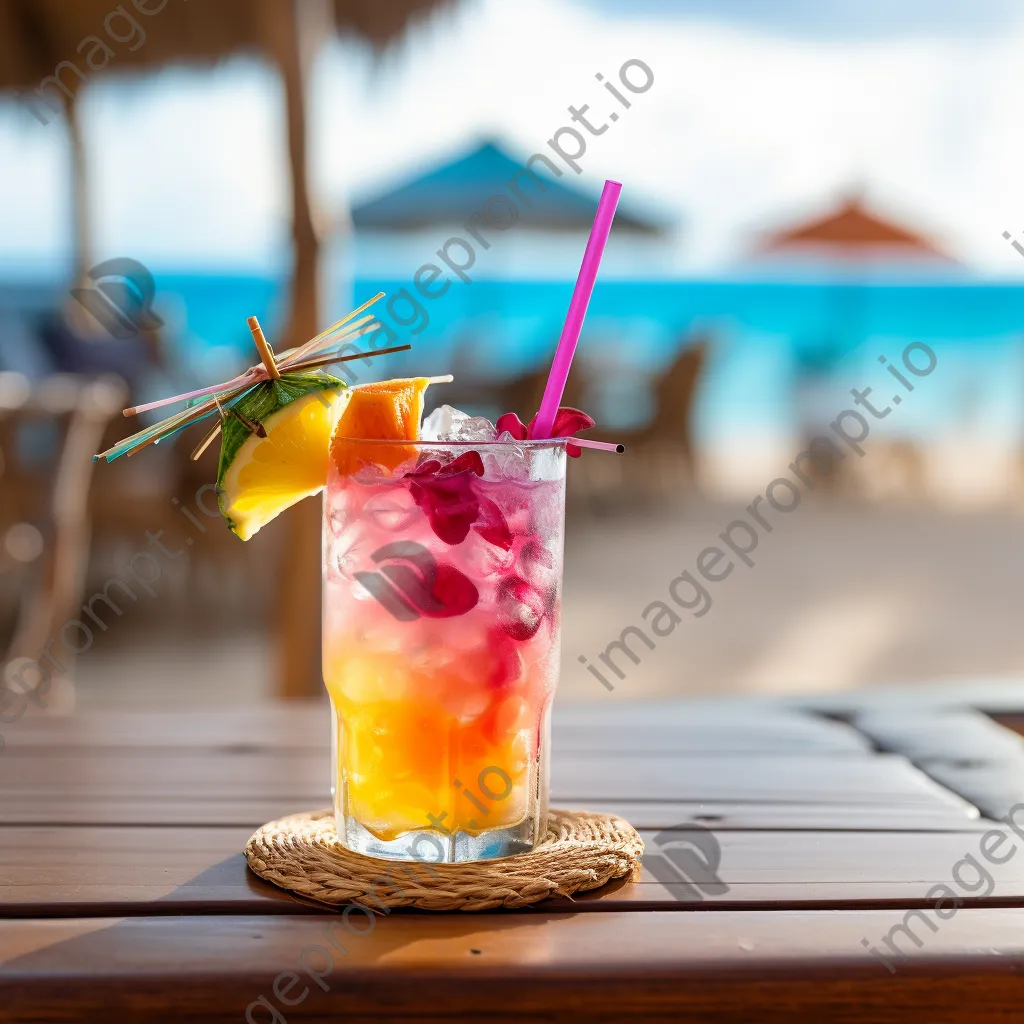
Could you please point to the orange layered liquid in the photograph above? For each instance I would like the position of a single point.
(411, 764)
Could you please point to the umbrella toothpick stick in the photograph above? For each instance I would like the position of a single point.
(205, 443)
(266, 355)
(290, 367)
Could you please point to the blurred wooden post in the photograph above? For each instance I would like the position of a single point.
(81, 218)
(82, 241)
(293, 29)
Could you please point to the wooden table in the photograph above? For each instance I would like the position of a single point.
(124, 894)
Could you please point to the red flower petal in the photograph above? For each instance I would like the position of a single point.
(513, 424)
(467, 462)
(567, 422)
(454, 591)
(493, 526)
(450, 505)
(446, 495)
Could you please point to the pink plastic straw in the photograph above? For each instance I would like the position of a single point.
(555, 386)
(257, 373)
(598, 446)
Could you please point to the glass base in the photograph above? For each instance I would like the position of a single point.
(433, 847)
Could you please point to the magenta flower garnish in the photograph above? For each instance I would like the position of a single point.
(446, 495)
(567, 422)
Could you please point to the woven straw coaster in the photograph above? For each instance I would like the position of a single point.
(580, 851)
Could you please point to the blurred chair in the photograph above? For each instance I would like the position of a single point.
(522, 395)
(472, 390)
(662, 454)
(136, 492)
(897, 469)
(48, 435)
(907, 463)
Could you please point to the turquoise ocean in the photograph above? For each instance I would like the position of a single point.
(767, 337)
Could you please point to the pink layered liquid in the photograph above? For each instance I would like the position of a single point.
(441, 650)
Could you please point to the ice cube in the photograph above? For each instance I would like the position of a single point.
(338, 521)
(521, 608)
(449, 424)
(536, 564)
(511, 460)
(484, 560)
(345, 549)
(438, 423)
(392, 510)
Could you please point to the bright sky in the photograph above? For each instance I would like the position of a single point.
(749, 122)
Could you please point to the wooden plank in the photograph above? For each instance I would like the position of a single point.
(302, 777)
(731, 967)
(731, 728)
(125, 870)
(797, 817)
(744, 712)
(1013, 722)
(964, 750)
(604, 728)
(996, 696)
(292, 724)
(885, 780)
(995, 787)
(607, 739)
(955, 734)
(251, 812)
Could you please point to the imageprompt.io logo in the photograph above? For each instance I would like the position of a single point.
(411, 583)
(120, 298)
(688, 863)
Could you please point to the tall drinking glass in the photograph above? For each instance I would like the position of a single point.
(442, 615)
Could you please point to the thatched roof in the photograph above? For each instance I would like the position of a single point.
(380, 21)
(37, 35)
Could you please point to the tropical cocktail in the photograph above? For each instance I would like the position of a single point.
(442, 588)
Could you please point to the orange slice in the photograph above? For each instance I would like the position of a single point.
(388, 411)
